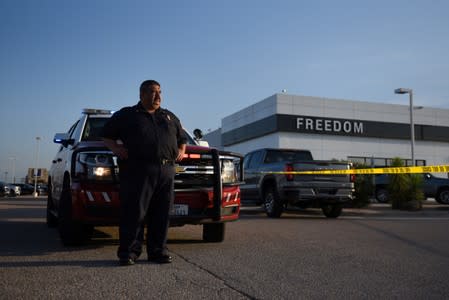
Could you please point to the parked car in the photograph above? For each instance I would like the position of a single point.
(433, 187)
(4, 189)
(26, 189)
(266, 182)
(14, 190)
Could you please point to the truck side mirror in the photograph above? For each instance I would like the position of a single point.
(198, 134)
(63, 139)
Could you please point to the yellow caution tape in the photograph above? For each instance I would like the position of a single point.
(391, 170)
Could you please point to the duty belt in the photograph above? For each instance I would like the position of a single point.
(167, 162)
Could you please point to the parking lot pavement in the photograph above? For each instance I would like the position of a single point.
(430, 209)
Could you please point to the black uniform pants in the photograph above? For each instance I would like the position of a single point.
(146, 196)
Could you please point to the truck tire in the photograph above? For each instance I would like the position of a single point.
(52, 220)
(332, 210)
(382, 195)
(213, 232)
(72, 233)
(272, 203)
(443, 196)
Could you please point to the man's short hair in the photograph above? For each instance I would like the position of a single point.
(147, 83)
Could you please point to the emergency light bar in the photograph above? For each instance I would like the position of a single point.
(94, 111)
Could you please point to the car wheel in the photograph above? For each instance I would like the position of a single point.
(382, 195)
(52, 220)
(332, 210)
(213, 232)
(71, 232)
(272, 203)
(443, 197)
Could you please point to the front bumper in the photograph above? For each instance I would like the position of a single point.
(100, 205)
(318, 196)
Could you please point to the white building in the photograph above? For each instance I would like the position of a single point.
(366, 132)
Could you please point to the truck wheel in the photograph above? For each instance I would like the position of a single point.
(443, 196)
(213, 232)
(72, 233)
(332, 210)
(382, 195)
(52, 220)
(272, 203)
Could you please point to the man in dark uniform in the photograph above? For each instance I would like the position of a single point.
(148, 140)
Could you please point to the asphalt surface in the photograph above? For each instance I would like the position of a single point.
(375, 252)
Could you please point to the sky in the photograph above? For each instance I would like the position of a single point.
(212, 59)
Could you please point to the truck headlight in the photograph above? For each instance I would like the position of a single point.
(228, 171)
(95, 166)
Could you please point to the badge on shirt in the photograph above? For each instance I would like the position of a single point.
(168, 117)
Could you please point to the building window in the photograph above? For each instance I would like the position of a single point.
(379, 162)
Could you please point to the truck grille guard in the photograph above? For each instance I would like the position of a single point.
(218, 186)
(200, 170)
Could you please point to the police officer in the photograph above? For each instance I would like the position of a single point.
(148, 140)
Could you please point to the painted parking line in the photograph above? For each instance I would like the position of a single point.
(395, 218)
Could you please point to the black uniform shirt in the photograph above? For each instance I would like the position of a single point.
(148, 137)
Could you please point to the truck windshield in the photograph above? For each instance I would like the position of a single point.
(94, 127)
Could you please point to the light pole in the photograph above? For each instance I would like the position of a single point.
(13, 158)
(412, 125)
(35, 168)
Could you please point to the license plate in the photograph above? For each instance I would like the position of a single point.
(181, 209)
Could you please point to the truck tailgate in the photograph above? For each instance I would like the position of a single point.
(318, 166)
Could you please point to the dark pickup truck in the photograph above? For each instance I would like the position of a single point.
(266, 184)
(433, 187)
